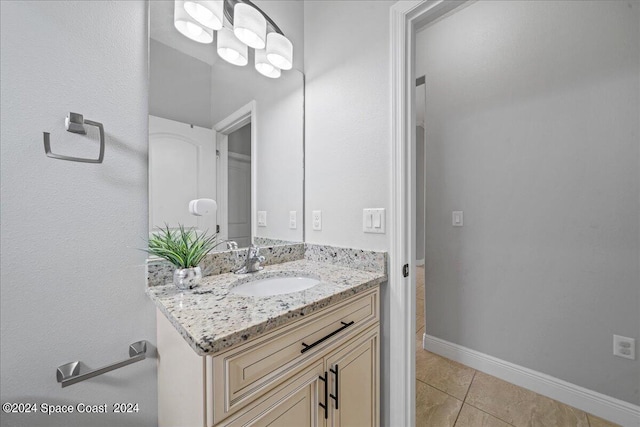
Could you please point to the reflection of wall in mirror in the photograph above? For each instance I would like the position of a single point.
(279, 150)
(179, 86)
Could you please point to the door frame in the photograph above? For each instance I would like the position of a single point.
(246, 114)
(406, 18)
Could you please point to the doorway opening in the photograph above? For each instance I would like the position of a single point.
(236, 171)
(406, 18)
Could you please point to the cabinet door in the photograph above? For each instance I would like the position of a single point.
(354, 385)
(292, 404)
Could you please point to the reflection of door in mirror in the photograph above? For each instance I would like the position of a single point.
(182, 167)
(239, 184)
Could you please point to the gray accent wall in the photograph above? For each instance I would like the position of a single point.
(533, 131)
(420, 195)
(72, 276)
(179, 86)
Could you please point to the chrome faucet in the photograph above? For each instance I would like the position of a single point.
(252, 263)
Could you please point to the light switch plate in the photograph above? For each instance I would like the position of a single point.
(316, 217)
(262, 218)
(293, 222)
(457, 219)
(373, 220)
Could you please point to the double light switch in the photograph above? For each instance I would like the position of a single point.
(373, 221)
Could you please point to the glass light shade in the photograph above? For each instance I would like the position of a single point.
(279, 51)
(250, 26)
(231, 49)
(264, 67)
(208, 13)
(188, 27)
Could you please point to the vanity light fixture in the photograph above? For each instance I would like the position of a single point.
(263, 65)
(231, 49)
(279, 51)
(209, 13)
(240, 24)
(250, 26)
(188, 26)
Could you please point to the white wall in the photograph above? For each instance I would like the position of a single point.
(348, 129)
(72, 280)
(533, 124)
(347, 110)
(179, 86)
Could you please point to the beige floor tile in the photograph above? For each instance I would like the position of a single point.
(473, 417)
(419, 307)
(419, 313)
(420, 276)
(519, 406)
(599, 422)
(419, 333)
(435, 408)
(443, 374)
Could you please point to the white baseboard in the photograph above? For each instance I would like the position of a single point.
(600, 405)
(420, 262)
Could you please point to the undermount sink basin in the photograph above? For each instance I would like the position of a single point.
(274, 286)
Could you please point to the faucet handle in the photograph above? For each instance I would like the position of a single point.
(253, 251)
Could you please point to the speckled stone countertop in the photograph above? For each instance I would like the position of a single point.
(210, 318)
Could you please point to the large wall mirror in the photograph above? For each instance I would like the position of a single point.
(225, 132)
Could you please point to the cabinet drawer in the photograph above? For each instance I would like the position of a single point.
(294, 403)
(249, 370)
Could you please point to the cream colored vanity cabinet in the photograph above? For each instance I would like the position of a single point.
(321, 370)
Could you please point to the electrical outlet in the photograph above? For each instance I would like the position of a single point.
(293, 223)
(624, 347)
(317, 220)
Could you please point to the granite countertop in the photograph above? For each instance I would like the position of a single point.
(210, 318)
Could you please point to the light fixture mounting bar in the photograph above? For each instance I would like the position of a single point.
(228, 13)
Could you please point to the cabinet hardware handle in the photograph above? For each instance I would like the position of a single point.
(308, 347)
(324, 405)
(335, 398)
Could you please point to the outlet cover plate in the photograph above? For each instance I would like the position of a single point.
(624, 347)
(316, 220)
(293, 222)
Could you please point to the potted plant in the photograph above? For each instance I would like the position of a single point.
(184, 248)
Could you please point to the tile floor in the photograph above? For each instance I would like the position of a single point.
(451, 394)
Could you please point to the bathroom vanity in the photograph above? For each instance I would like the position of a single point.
(302, 358)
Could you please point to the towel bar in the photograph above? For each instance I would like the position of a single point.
(75, 123)
(69, 374)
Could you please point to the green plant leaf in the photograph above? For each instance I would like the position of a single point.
(182, 247)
